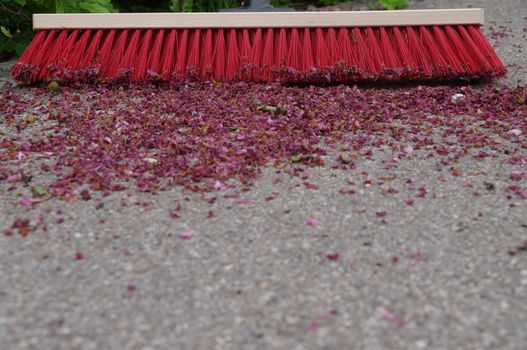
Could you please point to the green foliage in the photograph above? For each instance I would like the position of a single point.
(16, 24)
(389, 4)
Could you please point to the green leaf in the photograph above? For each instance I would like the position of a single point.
(40, 191)
(20, 2)
(60, 6)
(6, 32)
(188, 5)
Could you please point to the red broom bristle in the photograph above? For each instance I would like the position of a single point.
(297, 54)
(181, 58)
(405, 55)
(106, 52)
(154, 65)
(389, 54)
(117, 55)
(479, 39)
(233, 56)
(308, 63)
(321, 49)
(50, 67)
(245, 49)
(333, 47)
(218, 68)
(169, 55)
(419, 52)
(448, 53)
(88, 61)
(347, 53)
(464, 55)
(375, 50)
(281, 49)
(40, 57)
(440, 65)
(208, 55)
(256, 54)
(193, 54)
(364, 60)
(33, 48)
(126, 66)
(294, 60)
(476, 51)
(266, 72)
(74, 61)
(141, 61)
(67, 52)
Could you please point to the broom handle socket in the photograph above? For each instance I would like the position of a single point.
(257, 6)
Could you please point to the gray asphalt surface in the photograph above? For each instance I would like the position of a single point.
(256, 277)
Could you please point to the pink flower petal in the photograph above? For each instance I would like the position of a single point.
(515, 132)
(219, 186)
(25, 202)
(311, 222)
(386, 314)
(312, 326)
(186, 234)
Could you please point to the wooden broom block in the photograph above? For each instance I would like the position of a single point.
(259, 19)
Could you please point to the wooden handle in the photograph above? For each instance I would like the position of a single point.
(259, 19)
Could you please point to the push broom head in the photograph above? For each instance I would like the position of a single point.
(312, 47)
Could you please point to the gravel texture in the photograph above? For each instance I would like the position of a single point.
(311, 269)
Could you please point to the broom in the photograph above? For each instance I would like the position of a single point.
(264, 46)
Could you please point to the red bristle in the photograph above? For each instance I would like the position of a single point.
(207, 59)
(40, 58)
(294, 56)
(281, 48)
(169, 55)
(33, 48)
(106, 52)
(375, 50)
(348, 56)
(23, 69)
(194, 53)
(267, 56)
(75, 59)
(403, 50)
(154, 65)
(88, 60)
(456, 42)
(141, 62)
(321, 55)
(333, 47)
(233, 55)
(182, 51)
(126, 66)
(364, 61)
(419, 52)
(480, 47)
(308, 64)
(438, 62)
(483, 65)
(67, 52)
(50, 67)
(448, 53)
(388, 52)
(256, 54)
(218, 68)
(117, 55)
(245, 49)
